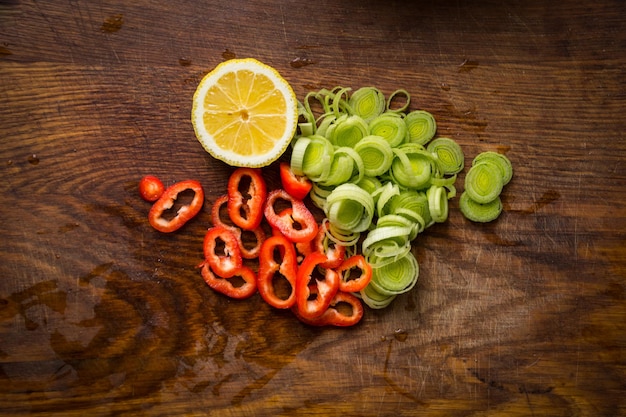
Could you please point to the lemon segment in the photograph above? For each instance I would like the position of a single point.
(244, 113)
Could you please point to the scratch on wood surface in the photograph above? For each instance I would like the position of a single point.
(282, 21)
(530, 406)
(577, 364)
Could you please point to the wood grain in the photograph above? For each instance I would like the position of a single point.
(102, 315)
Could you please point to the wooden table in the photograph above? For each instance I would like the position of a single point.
(102, 315)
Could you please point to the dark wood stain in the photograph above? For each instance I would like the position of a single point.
(112, 23)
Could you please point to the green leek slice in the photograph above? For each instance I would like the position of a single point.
(421, 126)
(342, 167)
(369, 183)
(502, 163)
(483, 183)
(412, 167)
(375, 300)
(397, 220)
(347, 131)
(391, 127)
(349, 207)
(393, 96)
(438, 203)
(376, 154)
(397, 277)
(383, 195)
(477, 212)
(297, 154)
(367, 102)
(317, 159)
(412, 205)
(448, 154)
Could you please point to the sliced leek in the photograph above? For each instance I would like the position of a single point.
(421, 126)
(490, 172)
(437, 203)
(501, 162)
(383, 196)
(397, 277)
(367, 102)
(349, 207)
(378, 171)
(375, 300)
(344, 163)
(414, 206)
(394, 96)
(369, 183)
(390, 126)
(412, 167)
(448, 154)
(477, 212)
(483, 183)
(376, 154)
(317, 159)
(347, 131)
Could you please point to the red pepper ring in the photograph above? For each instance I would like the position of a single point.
(216, 212)
(229, 286)
(185, 212)
(228, 261)
(270, 269)
(322, 243)
(336, 315)
(349, 284)
(298, 225)
(302, 248)
(259, 235)
(297, 186)
(312, 302)
(246, 209)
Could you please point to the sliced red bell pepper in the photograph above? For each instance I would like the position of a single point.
(216, 213)
(270, 268)
(231, 287)
(245, 207)
(151, 188)
(302, 248)
(297, 224)
(322, 243)
(245, 249)
(347, 282)
(185, 212)
(312, 302)
(344, 310)
(228, 260)
(297, 186)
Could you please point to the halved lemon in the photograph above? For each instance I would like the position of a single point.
(244, 113)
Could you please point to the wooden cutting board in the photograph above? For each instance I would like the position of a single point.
(102, 315)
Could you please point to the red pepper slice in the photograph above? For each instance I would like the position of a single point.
(259, 235)
(223, 264)
(298, 225)
(349, 284)
(312, 302)
(216, 213)
(184, 213)
(270, 268)
(322, 243)
(302, 248)
(297, 186)
(230, 286)
(245, 208)
(151, 188)
(344, 310)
